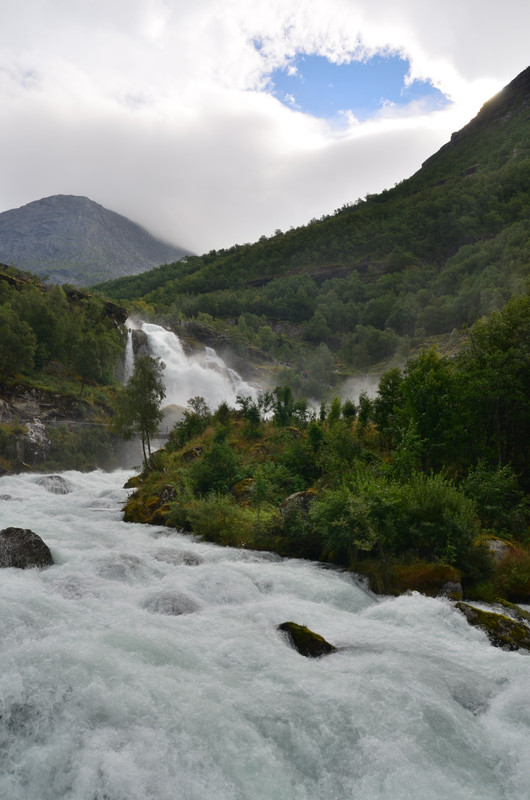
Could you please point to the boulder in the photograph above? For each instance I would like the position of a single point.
(307, 642)
(499, 548)
(501, 630)
(23, 548)
(452, 590)
(300, 500)
(55, 484)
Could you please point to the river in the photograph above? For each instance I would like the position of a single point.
(146, 665)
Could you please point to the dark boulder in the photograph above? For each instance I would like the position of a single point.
(23, 548)
(305, 641)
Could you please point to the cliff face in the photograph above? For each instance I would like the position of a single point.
(74, 240)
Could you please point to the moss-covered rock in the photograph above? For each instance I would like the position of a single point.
(135, 510)
(502, 631)
(430, 579)
(133, 483)
(307, 642)
(514, 610)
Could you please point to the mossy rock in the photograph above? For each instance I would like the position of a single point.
(428, 579)
(133, 483)
(420, 576)
(516, 611)
(307, 642)
(136, 511)
(502, 631)
(160, 515)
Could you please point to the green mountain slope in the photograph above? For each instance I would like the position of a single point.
(421, 259)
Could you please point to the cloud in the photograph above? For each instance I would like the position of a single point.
(159, 109)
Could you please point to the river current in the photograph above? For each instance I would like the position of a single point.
(146, 665)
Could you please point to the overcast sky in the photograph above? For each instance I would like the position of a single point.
(212, 123)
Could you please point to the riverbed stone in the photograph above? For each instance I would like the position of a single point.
(307, 642)
(22, 548)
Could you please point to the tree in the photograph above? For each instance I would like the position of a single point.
(17, 344)
(137, 406)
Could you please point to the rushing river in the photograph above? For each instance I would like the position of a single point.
(146, 665)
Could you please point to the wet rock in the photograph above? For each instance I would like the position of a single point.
(178, 557)
(514, 610)
(452, 590)
(172, 603)
(502, 631)
(499, 548)
(36, 442)
(122, 567)
(22, 548)
(307, 642)
(300, 500)
(55, 484)
(139, 342)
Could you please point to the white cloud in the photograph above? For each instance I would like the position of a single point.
(158, 109)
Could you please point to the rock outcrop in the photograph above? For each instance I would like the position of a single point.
(22, 548)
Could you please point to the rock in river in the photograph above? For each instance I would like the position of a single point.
(23, 548)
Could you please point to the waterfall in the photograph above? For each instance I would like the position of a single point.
(146, 664)
(206, 374)
(129, 357)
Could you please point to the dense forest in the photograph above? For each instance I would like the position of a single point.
(376, 279)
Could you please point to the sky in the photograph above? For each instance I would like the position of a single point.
(214, 123)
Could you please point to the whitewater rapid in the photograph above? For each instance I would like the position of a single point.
(107, 692)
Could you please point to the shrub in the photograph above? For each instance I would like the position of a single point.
(218, 518)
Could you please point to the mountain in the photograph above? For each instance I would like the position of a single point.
(72, 239)
(377, 277)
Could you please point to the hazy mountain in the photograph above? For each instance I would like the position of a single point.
(74, 240)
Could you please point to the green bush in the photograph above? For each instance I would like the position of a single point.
(218, 518)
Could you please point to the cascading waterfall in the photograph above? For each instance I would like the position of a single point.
(128, 366)
(204, 375)
(146, 665)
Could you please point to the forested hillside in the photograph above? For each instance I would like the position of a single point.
(375, 278)
(60, 351)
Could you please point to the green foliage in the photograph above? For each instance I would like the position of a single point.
(42, 327)
(218, 469)
(498, 497)
(17, 344)
(219, 519)
(195, 420)
(137, 405)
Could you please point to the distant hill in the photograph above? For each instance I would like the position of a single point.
(74, 240)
